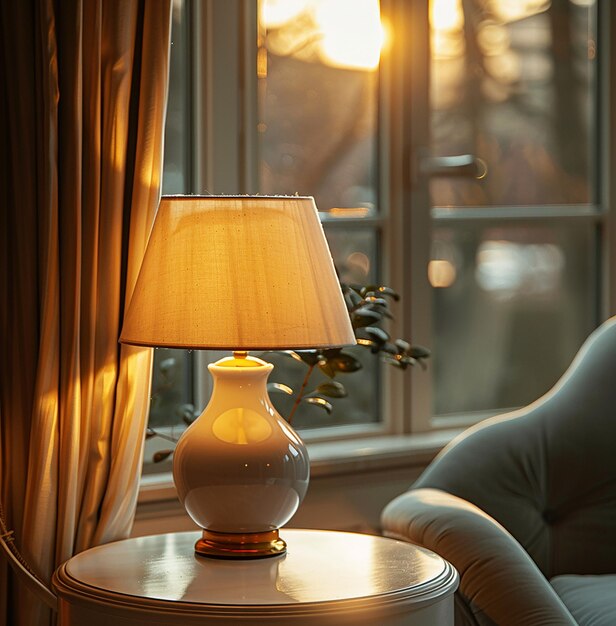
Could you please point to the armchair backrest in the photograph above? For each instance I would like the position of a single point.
(547, 472)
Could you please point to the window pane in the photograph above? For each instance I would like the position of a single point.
(513, 304)
(171, 387)
(354, 251)
(176, 166)
(318, 81)
(514, 84)
(171, 397)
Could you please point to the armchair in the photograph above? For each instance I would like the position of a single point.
(524, 504)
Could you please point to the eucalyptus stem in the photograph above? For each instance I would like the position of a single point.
(300, 393)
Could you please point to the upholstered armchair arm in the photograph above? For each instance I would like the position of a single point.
(499, 582)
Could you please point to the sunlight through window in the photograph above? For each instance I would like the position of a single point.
(352, 33)
(345, 34)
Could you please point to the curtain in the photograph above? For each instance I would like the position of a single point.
(82, 107)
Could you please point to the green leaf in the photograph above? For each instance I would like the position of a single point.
(330, 353)
(161, 455)
(310, 357)
(368, 343)
(403, 346)
(320, 402)
(379, 290)
(419, 352)
(352, 299)
(379, 335)
(365, 316)
(167, 364)
(401, 362)
(345, 363)
(377, 301)
(279, 388)
(388, 291)
(326, 367)
(390, 349)
(368, 311)
(332, 389)
(290, 353)
(186, 412)
(368, 290)
(390, 360)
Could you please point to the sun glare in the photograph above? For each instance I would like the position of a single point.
(352, 33)
(346, 33)
(275, 13)
(447, 24)
(446, 15)
(512, 10)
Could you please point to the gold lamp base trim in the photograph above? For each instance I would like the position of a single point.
(240, 546)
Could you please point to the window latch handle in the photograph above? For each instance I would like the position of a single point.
(465, 165)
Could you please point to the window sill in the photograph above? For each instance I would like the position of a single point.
(338, 458)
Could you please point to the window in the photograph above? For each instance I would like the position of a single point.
(514, 254)
(468, 169)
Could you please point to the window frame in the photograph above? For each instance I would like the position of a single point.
(224, 159)
(598, 214)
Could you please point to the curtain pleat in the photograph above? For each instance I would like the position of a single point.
(19, 289)
(82, 120)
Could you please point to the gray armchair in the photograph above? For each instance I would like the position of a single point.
(524, 504)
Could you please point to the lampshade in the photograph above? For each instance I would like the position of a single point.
(240, 273)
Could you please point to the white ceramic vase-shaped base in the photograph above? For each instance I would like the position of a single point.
(240, 470)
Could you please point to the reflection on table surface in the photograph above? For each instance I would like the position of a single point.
(318, 567)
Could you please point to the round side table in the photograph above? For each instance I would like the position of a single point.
(326, 578)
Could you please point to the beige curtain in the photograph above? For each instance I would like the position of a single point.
(82, 107)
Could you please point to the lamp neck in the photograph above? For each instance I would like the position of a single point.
(238, 381)
(240, 359)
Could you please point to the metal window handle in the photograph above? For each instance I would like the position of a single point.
(466, 165)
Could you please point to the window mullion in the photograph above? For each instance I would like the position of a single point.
(217, 77)
(516, 214)
(606, 162)
(406, 234)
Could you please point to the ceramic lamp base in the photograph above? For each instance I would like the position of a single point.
(240, 470)
(240, 546)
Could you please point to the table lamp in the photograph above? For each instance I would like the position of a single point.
(238, 273)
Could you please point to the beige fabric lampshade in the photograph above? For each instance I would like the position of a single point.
(237, 273)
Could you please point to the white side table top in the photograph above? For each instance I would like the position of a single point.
(321, 569)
